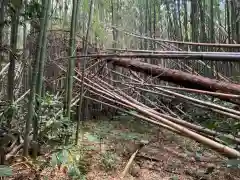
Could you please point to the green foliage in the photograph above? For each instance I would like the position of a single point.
(103, 129)
(9, 111)
(73, 159)
(53, 125)
(5, 171)
(213, 120)
(33, 10)
(109, 161)
(75, 173)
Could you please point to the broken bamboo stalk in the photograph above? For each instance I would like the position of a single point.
(185, 123)
(224, 150)
(178, 77)
(130, 161)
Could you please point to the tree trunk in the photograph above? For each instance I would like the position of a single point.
(35, 70)
(178, 77)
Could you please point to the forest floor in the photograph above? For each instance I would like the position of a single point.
(166, 156)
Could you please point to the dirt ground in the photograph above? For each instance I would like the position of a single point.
(164, 156)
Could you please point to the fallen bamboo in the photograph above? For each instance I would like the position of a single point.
(227, 151)
(138, 116)
(222, 149)
(192, 126)
(169, 52)
(178, 77)
(187, 124)
(196, 104)
(216, 94)
(183, 56)
(214, 145)
(222, 96)
(200, 128)
(178, 42)
(229, 114)
(197, 101)
(207, 105)
(182, 122)
(127, 167)
(191, 43)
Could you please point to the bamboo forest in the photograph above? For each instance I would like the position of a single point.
(119, 89)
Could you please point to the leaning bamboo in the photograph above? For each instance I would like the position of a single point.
(176, 76)
(137, 116)
(177, 120)
(211, 105)
(184, 123)
(227, 151)
(215, 94)
(217, 146)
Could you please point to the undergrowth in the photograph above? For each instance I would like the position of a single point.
(56, 130)
(109, 161)
(74, 159)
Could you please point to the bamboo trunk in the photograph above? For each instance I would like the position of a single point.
(178, 77)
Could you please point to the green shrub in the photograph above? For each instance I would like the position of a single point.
(109, 161)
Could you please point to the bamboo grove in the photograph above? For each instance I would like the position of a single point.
(154, 60)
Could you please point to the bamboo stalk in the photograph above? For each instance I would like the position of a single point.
(227, 151)
(130, 161)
